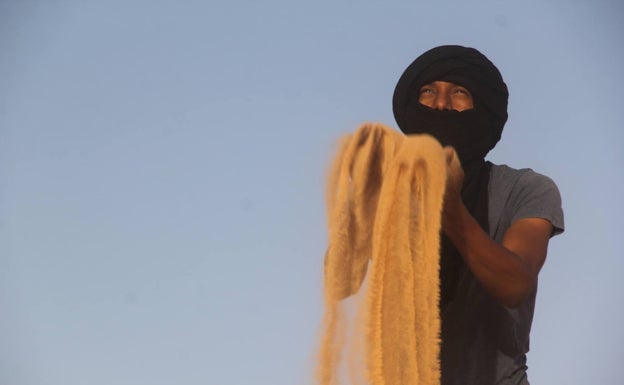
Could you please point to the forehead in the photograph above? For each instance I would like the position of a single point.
(444, 84)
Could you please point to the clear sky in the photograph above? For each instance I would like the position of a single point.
(162, 167)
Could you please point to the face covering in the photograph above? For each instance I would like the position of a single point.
(467, 131)
(470, 69)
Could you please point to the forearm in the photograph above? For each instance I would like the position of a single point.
(503, 273)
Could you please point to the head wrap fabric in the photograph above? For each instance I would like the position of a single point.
(467, 131)
(460, 65)
(473, 133)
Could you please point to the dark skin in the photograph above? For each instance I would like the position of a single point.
(508, 271)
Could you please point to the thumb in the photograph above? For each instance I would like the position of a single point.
(451, 155)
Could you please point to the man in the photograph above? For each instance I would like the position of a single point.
(497, 221)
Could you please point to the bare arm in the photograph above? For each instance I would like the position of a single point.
(508, 271)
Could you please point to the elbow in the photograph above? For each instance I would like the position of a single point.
(519, 295)
(513, 302)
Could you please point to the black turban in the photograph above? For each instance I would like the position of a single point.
(460, 65)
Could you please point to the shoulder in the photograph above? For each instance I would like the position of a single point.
(503, 175)
(508, 181)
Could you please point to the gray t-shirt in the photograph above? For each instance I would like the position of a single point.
(486, 342)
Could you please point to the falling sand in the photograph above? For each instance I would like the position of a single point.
(384, 200)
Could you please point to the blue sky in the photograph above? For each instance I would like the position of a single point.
(162, 168)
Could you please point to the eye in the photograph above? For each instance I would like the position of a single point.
(461, 91)
(426, 90)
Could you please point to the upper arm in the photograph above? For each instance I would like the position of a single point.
(532, 206)
(528, 239)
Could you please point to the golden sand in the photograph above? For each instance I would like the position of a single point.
(384, 198)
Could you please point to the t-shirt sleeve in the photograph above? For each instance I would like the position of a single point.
(537, 196)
